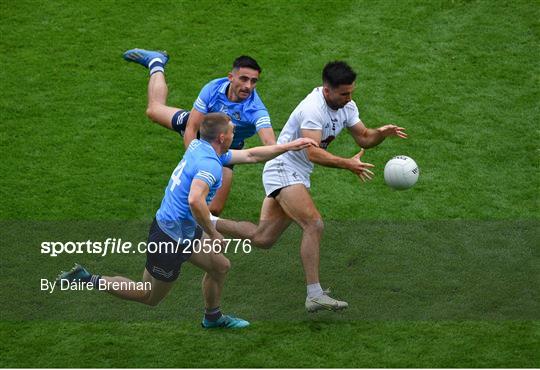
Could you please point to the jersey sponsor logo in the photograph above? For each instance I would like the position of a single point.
(324, 143)
(223, 108)
(334, 121)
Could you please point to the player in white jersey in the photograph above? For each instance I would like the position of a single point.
(313, 113)
(321, 116)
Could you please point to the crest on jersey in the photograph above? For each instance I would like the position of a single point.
(236, 116)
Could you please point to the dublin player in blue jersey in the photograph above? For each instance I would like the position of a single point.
(234, 95)
(184, 217)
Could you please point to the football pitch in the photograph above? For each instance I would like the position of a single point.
(446, 274)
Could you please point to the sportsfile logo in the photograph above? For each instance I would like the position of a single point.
(110, 245)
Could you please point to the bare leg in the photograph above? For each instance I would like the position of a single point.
(273, 222)
(218, 203)
(298, 205)
(216, 267)
(158, 289)
(157, 109)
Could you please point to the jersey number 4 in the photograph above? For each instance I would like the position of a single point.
(175, 177)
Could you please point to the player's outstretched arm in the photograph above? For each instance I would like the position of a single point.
(370, 137)
(199, 209)
(324, 158)
(192, 127)
(265, 153)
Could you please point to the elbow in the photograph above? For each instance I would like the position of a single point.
(193, 201)
(251, 158)
(364, 143)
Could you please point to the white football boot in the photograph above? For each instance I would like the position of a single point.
(325, 302)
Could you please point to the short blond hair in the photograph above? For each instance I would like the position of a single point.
(213, 125)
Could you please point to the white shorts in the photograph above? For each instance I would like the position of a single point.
(277, 174)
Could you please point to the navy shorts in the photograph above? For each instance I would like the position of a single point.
(179, 121)
(165, 264)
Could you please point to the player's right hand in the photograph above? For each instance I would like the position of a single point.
(302, 143)
(360, 168)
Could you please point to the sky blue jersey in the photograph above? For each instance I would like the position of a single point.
(199, 162)
(248, 116)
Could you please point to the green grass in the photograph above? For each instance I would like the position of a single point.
(443, 275)
(315, 343)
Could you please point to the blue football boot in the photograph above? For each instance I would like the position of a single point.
(144, 57)
(225, 321)
(77, 273)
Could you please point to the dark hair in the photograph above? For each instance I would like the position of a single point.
(213, 125)
(338, 73)
(244, 61)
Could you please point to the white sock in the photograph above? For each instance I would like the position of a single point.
(314, 290)
(213, 219)
(156, 65)
(158, 60)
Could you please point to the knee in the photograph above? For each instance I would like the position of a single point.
(313, 226)
(151, 301)
(223, 266)
(263, 242)
(151, 111)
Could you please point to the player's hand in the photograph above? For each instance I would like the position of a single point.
(216, 238)
(302, 143)
(360, 168)
(392, 130)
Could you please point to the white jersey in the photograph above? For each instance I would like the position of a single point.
(313, 114)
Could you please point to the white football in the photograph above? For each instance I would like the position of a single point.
(401, 172)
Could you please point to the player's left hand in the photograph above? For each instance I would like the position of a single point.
(392, 130)
(302, 143)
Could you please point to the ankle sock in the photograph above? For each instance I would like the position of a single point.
(314, 290)
(212, 314)
(156, 65)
